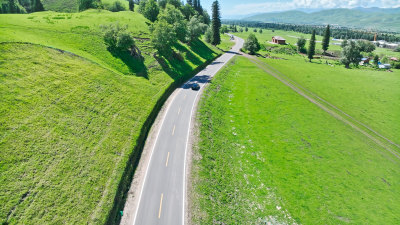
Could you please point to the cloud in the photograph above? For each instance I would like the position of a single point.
(272, 6)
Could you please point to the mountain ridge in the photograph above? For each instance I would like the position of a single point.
(380, 19)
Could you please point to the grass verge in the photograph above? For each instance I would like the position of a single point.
(266, 154)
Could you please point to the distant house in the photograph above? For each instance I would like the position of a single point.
(365, 60)
(279, 40)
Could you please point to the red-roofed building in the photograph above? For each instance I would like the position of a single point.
(279, 40)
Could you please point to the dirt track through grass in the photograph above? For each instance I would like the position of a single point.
(334, 111)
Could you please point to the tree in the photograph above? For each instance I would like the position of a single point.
(216, 23)
(255, 30)
(208, 36)
(188, 11)
(174, 17)
(311, 47)
(224, 29)
(326, 39)
(195, 4)
(163, 36)
(344, 43)
(252, 44)
(246, 29)
(190, 2)
(366, 46)
(36, 6)
(131, 5)
(149, 9)
(260, 31)
(117, 37)
(206, 17)
(88, 4)
(351, 54)
(195, 28)
(301, 45)
(376, 60)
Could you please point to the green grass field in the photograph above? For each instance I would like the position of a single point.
(370, 96)
(266, 154)
(72, 112)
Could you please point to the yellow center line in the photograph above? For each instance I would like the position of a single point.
(179, 111)
(166, 163)
(159, 211)
(173, 131)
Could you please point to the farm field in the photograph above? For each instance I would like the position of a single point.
(72, 112)
(370, 96)
(266, 154)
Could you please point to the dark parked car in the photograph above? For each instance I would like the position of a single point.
(195, 86)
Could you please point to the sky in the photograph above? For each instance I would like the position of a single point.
(232, 8)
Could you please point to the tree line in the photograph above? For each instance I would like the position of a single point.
(336, 32)
(21, 6)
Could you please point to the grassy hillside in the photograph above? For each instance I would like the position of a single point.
(382, 19)
(267, 155)
(73, 113)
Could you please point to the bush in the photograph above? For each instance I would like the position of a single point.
(397, 49)
(88, 4)
(395, 65)
(117, 37)
(115, 6)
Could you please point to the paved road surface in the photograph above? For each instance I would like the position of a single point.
(163, 193)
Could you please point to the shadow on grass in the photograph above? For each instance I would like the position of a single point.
(135, 65)
(202, 50)
(177, 66)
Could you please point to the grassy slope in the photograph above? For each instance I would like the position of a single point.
(268, 155)
(69, 124)
(373, 97)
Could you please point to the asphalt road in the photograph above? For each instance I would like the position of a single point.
(163, 194)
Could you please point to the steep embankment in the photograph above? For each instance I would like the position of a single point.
(73, 119)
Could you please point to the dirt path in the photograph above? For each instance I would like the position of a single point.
(371, 134)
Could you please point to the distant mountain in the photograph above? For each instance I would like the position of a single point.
(381, 19)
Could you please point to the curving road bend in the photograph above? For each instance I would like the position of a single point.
(162, 197)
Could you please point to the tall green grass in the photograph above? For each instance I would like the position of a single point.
(268, 155)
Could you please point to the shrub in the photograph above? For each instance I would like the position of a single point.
(88, 4)
(396, 65)
(115, 6)
(117, 37)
